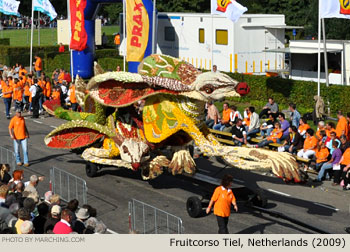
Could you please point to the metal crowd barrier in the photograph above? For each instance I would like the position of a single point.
(146, 219)
(8, 157)
(68, 186)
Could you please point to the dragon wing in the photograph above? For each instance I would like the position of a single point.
(77, 134)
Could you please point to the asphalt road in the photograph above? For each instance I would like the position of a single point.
(324, 207)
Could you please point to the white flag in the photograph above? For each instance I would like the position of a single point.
(9, 7)
(228, 8)
(335, 9)
(45, 7)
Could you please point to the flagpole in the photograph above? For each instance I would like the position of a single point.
(212, 42)
(325, 52)
(31, 40)
(39, 28)
(124, 34)
(154, 27)
(70, 35)
(319, 51)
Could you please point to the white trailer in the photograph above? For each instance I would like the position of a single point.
(303, 61)
(204, 40)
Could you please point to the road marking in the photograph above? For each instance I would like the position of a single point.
(53, 126)
(37, 121)
(239, 181)
(111, 231)
(319, 204)
(284, 194)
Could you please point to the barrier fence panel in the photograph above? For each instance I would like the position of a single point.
(146, 219)
(8, 157)
(68, 186)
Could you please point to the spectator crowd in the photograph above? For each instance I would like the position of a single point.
(23, 211)
(327, 148)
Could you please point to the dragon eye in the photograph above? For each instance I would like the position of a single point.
(209, 90)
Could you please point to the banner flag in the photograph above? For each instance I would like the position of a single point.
(9, 7)
(79, 36)
(228, 8)
(44, 6)
(137, 29)
(335, 9)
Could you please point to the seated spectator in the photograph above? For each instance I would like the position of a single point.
(294, 141)
(330, 127)
(267, 127)
(73, 206)
(345, 165)
(92, 211)
(254, 125)
(344, 143)
(270, 108)
(246, 117)
(272, 138)
(329, 144)
(310, 145)
(55, 200)
(284, 127)
(322, 137)
(91, 224)
(336, 157)
(234, 116)
(4, 189)
(239, 133)
(29, 204)
(213, 115)
(303, 126)
(294, 115)
(348, 119)
(322, 154)
(320, 126)
(100, 228)
(225, 118)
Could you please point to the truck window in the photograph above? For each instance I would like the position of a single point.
(169, 33)
(201, 35)
(221, 37)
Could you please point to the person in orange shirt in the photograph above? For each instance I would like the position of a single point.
(322, 154)
(345, 167)
(320, 127)
(22, 71)
(61, 76)
(303, 126)
(348, 120)
(38, 67)
(246, 117)
(342, 125)
(225, 120)
(7, 91)
(47, 90)
(27, 96)
(19, 133)
(310, 145)
(330, 127)
(117, 41)
(55, 94)
(223, 197)
(72, 97)
(18, 94)
(272, 138)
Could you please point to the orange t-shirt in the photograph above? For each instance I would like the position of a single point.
(328, 132)
(302, 128)
(322, 155)
(342, 125)
(274, 136)
(247, 119)
(18, 92)
(6, 88)
(310, 142)
(72, 97)
(346, 157)
(22, 71)
(38, 64)
(56, 95)
(26, 90)
(19, 127)
(60, 77)
(225, 115)
(47, 90)
(318, 133)
(223, 199)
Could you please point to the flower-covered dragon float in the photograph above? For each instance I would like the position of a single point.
(129, 119)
